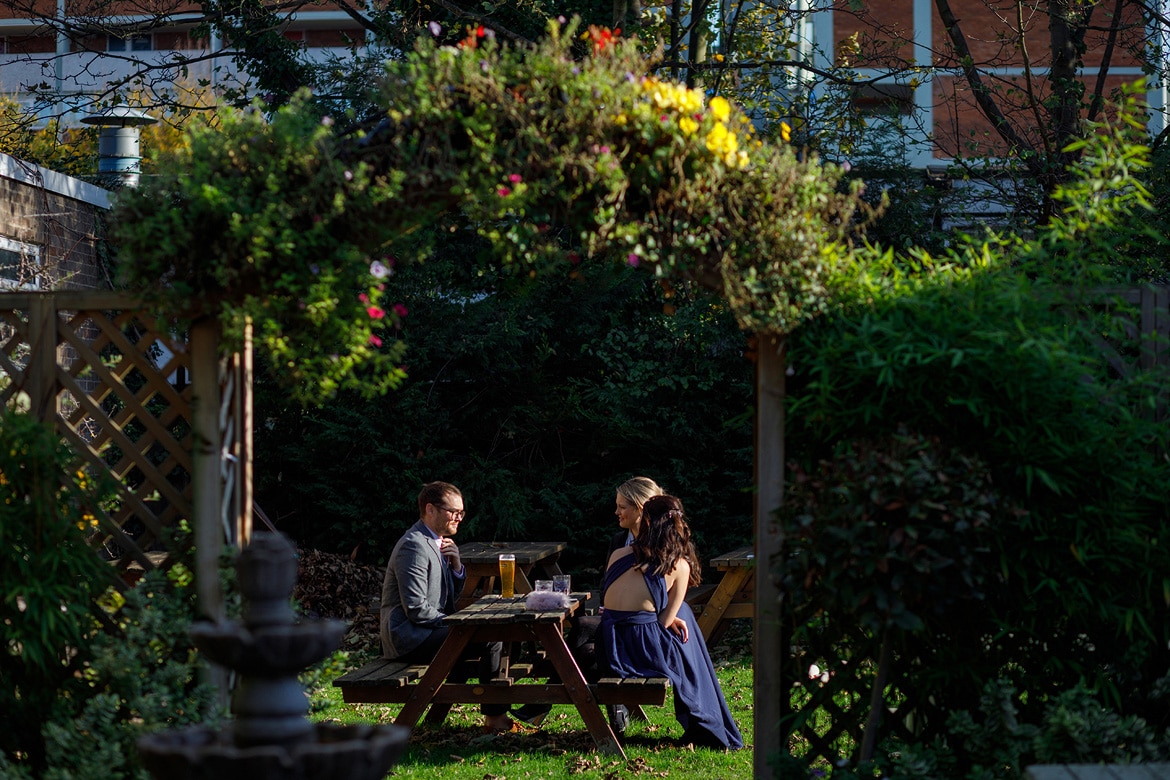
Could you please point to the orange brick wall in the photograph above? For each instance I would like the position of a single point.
(992, 40)
(959, 126)
(881, 28)
(878, 35)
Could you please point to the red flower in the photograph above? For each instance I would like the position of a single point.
(602, 37)
(376, 312)
(375, 341)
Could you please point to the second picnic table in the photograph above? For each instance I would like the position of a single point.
(733, 597)
(534, 560)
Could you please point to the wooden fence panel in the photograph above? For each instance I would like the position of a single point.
(115, 385)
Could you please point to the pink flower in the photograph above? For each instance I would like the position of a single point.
(374, 340)
(376, 312)
(504, 192)
(605, 150)
(400, 310)
(363, 298)
(633, 259)
(515, 178)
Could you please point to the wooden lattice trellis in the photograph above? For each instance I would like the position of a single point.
(120, 390)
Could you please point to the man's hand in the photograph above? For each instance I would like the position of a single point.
(449, 550)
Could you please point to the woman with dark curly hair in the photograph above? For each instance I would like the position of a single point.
(648, 629)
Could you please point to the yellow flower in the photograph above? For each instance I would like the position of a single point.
(720, 108)
(676, 96)
(719, 58)
(688, 125)
(785, 132)
(723, 143)
(690, 101)
(620, 120)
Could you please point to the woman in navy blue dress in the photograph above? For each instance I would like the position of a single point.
(648, 629)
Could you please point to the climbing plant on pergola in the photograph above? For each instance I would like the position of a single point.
(557, 155)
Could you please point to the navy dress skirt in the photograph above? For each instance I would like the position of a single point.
(635, 644)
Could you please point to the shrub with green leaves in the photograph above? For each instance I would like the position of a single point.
(144, 676)
(259, 220)
(538, 397)
(891, 533)
(1007, 367)
(993, 741)
(85, 670)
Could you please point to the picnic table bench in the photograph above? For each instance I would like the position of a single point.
(387, 682)
(493, 618)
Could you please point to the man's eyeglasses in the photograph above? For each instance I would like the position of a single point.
(458, 514)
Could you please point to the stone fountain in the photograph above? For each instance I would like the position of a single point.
(270, 736)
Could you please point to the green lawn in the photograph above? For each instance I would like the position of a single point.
(458, 751)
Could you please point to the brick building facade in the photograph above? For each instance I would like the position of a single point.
(903, 48)
(51, 229)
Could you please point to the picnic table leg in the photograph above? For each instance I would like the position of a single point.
(731, 584)
(553, 641)
(423, 691)
(522, 584)
(551, 566)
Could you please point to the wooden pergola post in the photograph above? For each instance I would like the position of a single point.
(768, 647)
(206, 483)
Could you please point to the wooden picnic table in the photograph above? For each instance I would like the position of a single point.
(534, 560)
(734, 596)
(492, 618)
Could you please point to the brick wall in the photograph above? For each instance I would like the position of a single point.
(62, 216)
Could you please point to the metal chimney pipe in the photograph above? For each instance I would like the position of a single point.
(118, 148)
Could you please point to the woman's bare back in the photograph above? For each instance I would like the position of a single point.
(628, 593)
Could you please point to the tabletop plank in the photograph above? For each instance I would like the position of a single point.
(495, 609)
(527, 553)
(744, 556)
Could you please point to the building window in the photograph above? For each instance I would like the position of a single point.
(884, 100)
(20, 265)
(129, 43)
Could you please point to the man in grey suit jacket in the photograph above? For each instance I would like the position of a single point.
(423, 579)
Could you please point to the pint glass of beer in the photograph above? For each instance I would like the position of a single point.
(507, 575)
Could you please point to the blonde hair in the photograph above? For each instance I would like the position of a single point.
(639, 490)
